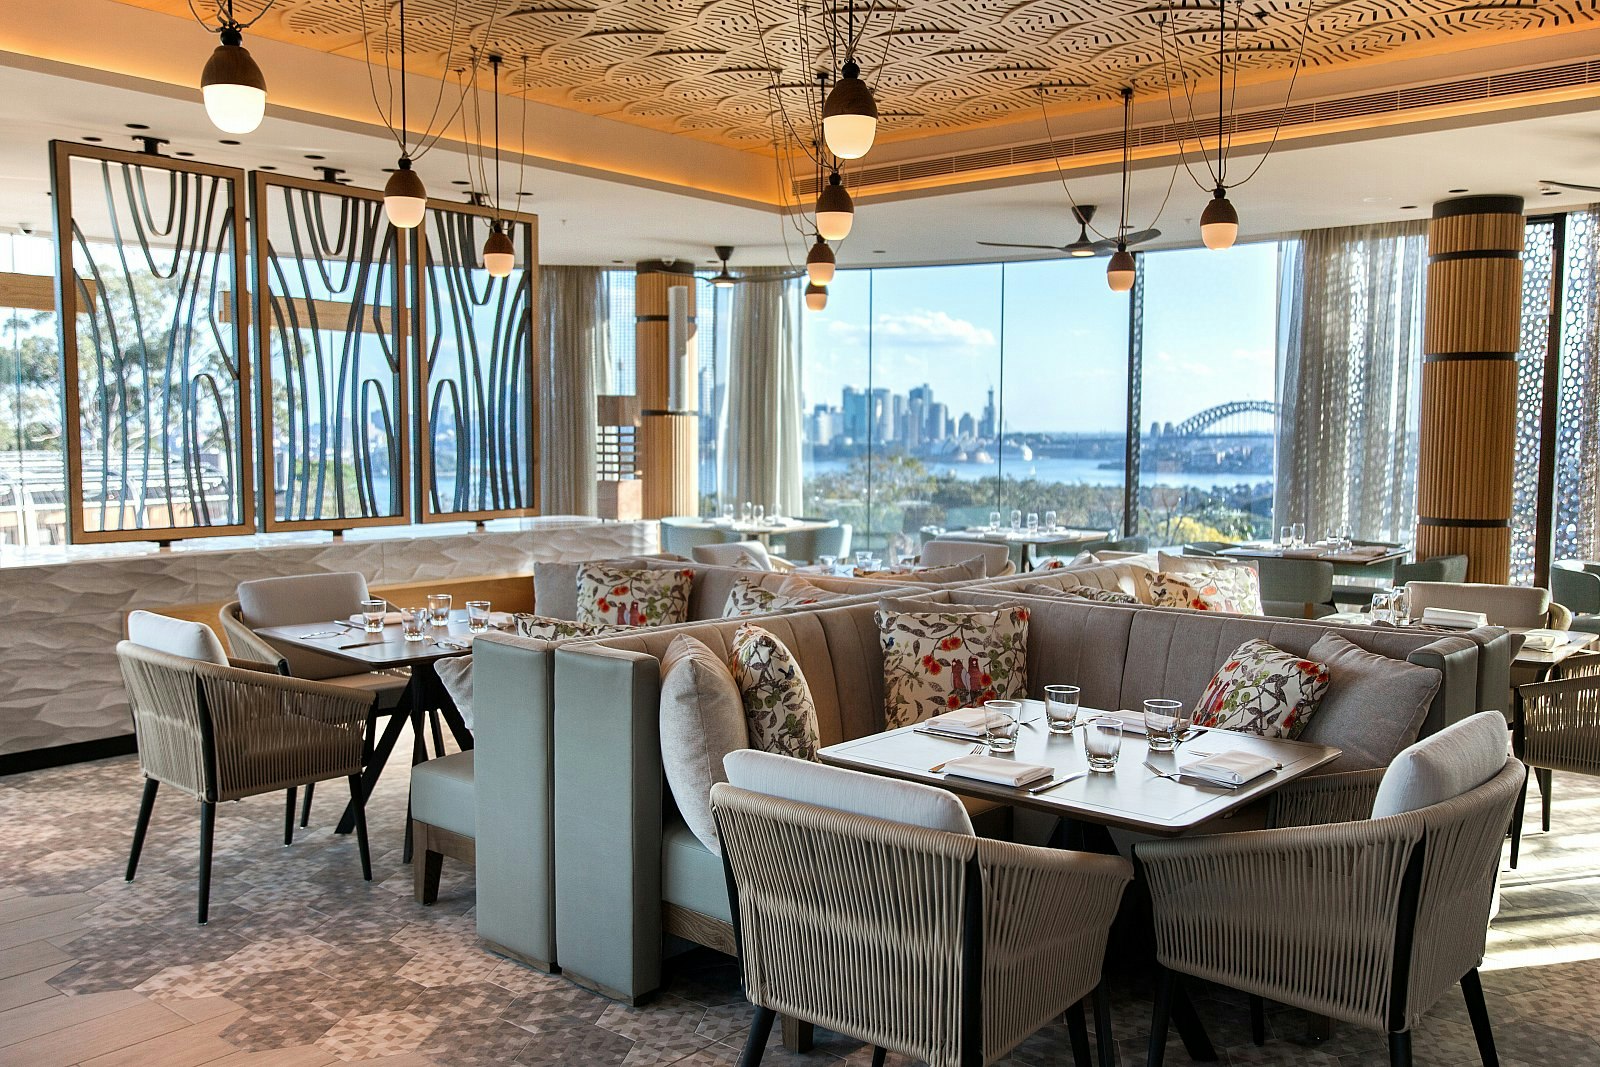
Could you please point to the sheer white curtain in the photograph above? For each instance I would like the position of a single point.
(1350, 378)
(574, 314)
(761, 456)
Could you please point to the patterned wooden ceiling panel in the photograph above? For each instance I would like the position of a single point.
(706, 68)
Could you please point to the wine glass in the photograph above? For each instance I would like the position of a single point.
(994, 520)
(1050, 521)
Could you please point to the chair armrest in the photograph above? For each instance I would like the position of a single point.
(269, 731)
(244, 642)
(278, 668)
(1319, 799)
(1027, 948)
(1304, 916)
(1560, 616)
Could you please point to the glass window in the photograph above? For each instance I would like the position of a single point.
(839, 416)
(1208, 404)
(1065, 410)
(32, 477)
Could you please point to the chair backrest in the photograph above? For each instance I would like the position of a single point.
(1560, 720)
(949, 551)
(1136, 544)
(807, 546)
(1575, 583)
(1288, 585)
(1504, 605)
(680, 539)
(303, 598)
(176, 637)
(845, 790)
(1444, 765)
(731, 553)
(1437, 569)
(1206, 548)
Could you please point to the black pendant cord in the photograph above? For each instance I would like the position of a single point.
(494, 61)
(1222, 77)
(225, 18)
(405, 127)
(1127, 161)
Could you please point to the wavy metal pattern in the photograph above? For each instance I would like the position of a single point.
(1538, 253)
(157, 430)
(477, 426)
(330, 299)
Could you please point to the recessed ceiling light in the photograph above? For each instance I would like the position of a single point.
(136, 126)
(313, 156)
(878, 251)
(185, 154)
(389, 170)
(1408, 207)
(267, 166)
(1551, 192)
(618, 261)
(95, 140)
(227, 142)
(458, 181)
(1458, 190)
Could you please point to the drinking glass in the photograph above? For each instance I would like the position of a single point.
(1165, 723)
(1400, 606)
(414, 623)
(1000, 727)
(1061, 708)
(1102, 743)
(1286, 537)
(372, 612)
(439, 608)
(744, 512)
(1330, 537)
(1033, 522)
(1347, 537)
(1299, 534)
(1016, 520)
(727, 513)
(1050, 521)
(827, 563)
(1382, 607)
(994, 520)
(775, 514)
(477, 616)
(863, 558)
(759, 515)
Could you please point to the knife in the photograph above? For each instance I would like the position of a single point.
(1063, 780)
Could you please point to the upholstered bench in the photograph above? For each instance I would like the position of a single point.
(444, 819)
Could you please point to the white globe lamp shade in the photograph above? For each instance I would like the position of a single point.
(849, 115)
(836, 212)
(816, 297)
(1219, 222)
(1121, 271)
(499, 254)
(820, 263)
(233, 88)
(405, 198)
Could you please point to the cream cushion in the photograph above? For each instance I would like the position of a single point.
(176, 637)
(734, 554)
(848, 791)
(1444, 765)
(702, 720)
(1374, 705)
(455, 674)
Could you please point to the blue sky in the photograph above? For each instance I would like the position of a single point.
(1210, 334)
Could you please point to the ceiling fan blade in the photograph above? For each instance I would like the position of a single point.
(785, 277)
(1044, 248)
(1571, 185)
(1138, 237)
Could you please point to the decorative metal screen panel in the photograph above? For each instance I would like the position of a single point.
(477, 422)
(152, 279)
(1537, 277)
(330, 278)
(1577, 524)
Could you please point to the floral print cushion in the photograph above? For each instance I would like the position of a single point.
(777, 701)
(940, 660)
(749, 597)
(1191, 591)
(548, 629)
(1101, 596)
(1240, 586)
(619, 596)
(1263, 690)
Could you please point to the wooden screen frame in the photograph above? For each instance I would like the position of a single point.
(62, 153)
(530, 251)
(407, 313)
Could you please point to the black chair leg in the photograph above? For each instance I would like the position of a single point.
(1546, 782)
(147, 804)
(755, 1043)
(1104, 1037)
(1078, 1031)
(1516, 819)
(1193, 1032)
(1258, 1020)
(288, 817)
(208, 819)
(438, 731)
(1160, 1015)
(1472, 991)
(360, 806)
(305, 808)
(1400, 1049)
(879, 1055)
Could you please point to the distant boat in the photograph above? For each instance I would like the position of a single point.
(1017, 450)
(982, 457)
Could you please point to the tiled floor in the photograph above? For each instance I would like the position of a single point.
(304, 964)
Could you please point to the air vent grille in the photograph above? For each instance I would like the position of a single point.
(1386, 102)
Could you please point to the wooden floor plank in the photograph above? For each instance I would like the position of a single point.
(30, 987)
(95, 1037)
(34, 1020)
(199, 1009)
(188, 1046)
(27, 907)
(299, 1056)
(43, 927)
(30, 956)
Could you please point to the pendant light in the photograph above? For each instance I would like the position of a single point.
(499, 254)
(232, 85)
(405, 198)
(850, 115)
(1122, 269)
(1219, 222)
(820, 263)
(836, 212)
(816, 297)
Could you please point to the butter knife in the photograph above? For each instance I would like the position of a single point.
(1063, 780)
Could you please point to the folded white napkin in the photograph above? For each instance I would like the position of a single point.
(1230, 768)
(1453, 617)
(997, 771)
(1543, 640)
(1132, 721)
(974, 722)
(1366, 551)
(390, 618)
(502, 620)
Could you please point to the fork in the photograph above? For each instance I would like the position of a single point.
(1171, 776)
(937, 767)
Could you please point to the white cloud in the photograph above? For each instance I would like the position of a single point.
(931, 329)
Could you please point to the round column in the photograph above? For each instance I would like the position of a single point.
(669, 419)
(1471, 333)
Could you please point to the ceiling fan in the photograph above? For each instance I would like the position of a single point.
(723, 280)
(1084, 246)
(1574, 186)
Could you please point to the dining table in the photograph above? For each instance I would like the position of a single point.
(388, 649)
(1029, 541)
(1528, 665)
(763, 531)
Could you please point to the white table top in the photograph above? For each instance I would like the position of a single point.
(1061, 535)
(755, 529)
(1572, 640)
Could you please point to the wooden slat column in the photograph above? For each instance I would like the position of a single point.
(1467, 438)
(669, 420)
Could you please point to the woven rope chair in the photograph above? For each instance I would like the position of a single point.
(1367, 922)
(948, 948)
(222, 733)
(1557, 728)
